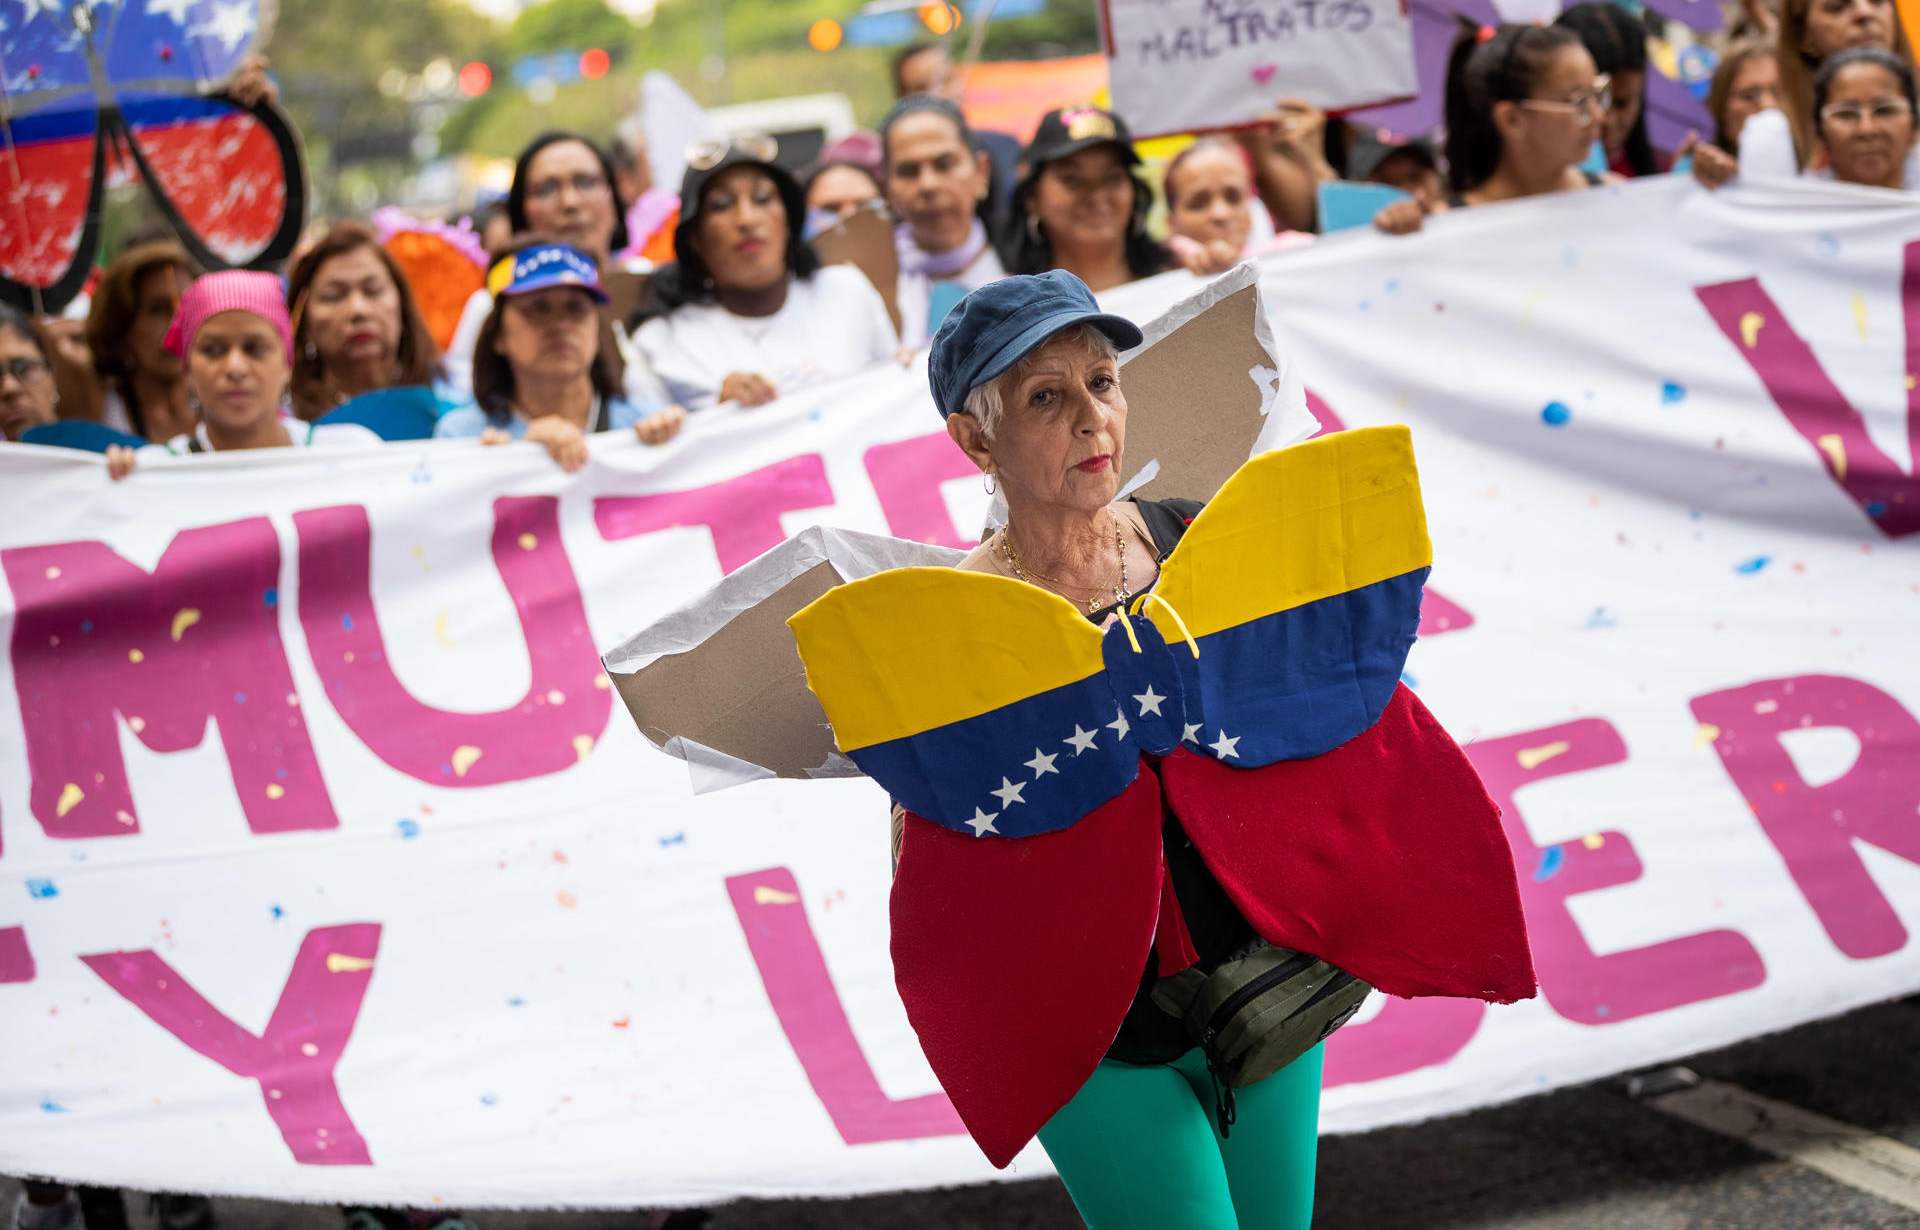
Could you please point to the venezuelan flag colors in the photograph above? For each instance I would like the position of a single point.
(1276, 631)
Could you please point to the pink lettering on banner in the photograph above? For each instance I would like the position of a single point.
(1404, 1036)
(1815, 406)
(196, 639)
(1815, 826)
(907, 474)
(553, 726)
(16, 960)
(295, 1058)
(1438, 613)
(1581, 985)
(743, 513)
(802, 993)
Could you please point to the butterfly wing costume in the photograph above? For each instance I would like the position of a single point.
(1256, 690)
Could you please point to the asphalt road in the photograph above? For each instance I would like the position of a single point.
(1590, 1158)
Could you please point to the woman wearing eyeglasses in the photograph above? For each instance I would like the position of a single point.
(564, 190)
(1863, 113)
(1524, 105)
(27, 396)
(746, 313)
(1784, 142)
(1617, 41)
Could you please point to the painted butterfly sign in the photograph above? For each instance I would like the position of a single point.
(98, 93)
(1190, 65)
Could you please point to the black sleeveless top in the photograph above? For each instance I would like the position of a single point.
(1147, 1034)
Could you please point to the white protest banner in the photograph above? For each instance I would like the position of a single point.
(330, 868)
(1188, 65)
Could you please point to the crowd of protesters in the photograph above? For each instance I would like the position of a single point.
(613, 304)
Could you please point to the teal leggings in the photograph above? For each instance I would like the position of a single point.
(1137, 1146)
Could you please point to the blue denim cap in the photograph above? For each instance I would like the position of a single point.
(996, 326)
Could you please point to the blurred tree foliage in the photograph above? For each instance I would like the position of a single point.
(330, 55)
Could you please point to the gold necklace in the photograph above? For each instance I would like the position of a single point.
(1120, 591)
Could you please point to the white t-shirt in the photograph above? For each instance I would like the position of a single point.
(1766, 152)
(832, 324)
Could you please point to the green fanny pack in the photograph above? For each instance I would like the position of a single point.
(1263, 1008)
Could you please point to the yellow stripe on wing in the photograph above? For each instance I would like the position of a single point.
(914, 649)
(1297, 525)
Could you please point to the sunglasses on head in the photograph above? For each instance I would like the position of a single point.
(709, 152)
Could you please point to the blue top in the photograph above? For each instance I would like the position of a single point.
(470, 420)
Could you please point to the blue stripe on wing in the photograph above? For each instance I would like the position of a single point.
(1301, 682)
(1034, 766)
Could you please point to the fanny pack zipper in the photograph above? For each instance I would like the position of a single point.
(1234, 1002)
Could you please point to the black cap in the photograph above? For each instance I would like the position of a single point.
(1069, 130)
(1371, 151)
(694, 183)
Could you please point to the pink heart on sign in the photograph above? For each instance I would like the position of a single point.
(1263, 73)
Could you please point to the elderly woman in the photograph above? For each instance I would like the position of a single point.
(232, 333)
(938, 186)
(27, 395)
(356, 327)
(544, 370)
(126, 330)
(1025, 373)
(1081, 207)
(747, 313)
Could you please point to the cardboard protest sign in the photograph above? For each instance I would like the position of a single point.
(1186, 65)
(864, 240)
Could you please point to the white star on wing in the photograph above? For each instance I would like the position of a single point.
(1149, 701)
(1191, 734)
(1082, 740)
(982, 823)
(1226, 748)
(174, 11)
(1042, 764)
(232, 24)
(1119, 723)
(1009, 793)
(33, 8)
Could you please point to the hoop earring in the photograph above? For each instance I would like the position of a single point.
(1033, 230)
(986, 481)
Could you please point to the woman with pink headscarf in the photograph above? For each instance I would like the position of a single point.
(233, 335)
